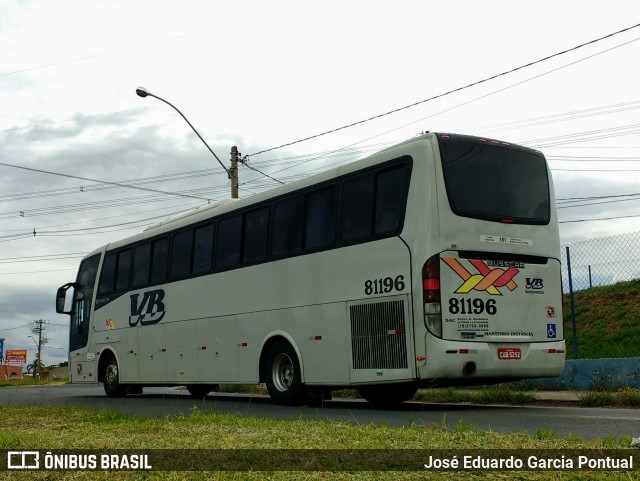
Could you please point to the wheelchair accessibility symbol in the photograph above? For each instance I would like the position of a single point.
(551, 331)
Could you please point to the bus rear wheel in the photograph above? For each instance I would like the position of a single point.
(111, 379)
(282, 374)
(388, 395)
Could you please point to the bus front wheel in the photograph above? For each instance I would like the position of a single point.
(282, 374)
(111, 379)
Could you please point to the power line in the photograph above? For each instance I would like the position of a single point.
(602, 218)
(448, 92)
(576, 158)
(282, 161)
(574, 199)
(245, 162)
(595, 170)
(99, 54)
(595, 203)
(340, 150)
(507, 88)
(36, 272)
(118, 184)
(14, 328)
(585, 136)
(564, 116)
(50, 257)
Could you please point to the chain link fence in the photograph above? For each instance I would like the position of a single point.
(601, 262)
(594, 263)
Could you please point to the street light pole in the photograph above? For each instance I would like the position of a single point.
(233, 173)
(36, 363)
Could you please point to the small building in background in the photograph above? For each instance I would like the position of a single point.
(9, 372)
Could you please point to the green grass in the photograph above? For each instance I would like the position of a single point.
(607, 321)
(621, 398)
(47, 428)
(489, 395)
(29, 381)
(625, 397)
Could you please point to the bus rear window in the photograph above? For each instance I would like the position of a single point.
(495, 182)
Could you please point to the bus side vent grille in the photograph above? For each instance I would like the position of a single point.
(378, 338)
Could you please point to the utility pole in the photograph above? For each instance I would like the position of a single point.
(233, 172)
(37, 327)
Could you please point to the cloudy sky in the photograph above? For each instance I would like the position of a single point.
(261, 74)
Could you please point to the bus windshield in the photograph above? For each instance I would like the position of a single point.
(495, 181)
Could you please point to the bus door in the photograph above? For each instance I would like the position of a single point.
(79, 315)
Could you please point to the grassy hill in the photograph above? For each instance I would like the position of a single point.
(607, 321)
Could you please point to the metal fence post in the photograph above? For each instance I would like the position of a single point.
(573, 311)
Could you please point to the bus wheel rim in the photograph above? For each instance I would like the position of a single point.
(111, 374)
(282, 372)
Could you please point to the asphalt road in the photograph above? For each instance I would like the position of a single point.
(587, 423)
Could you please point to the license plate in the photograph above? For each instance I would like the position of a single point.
(508, 353)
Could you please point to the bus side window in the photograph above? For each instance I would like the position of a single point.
(228, 242)
(286, 237)
(108, 274)
(141, 265)
(390, 190)
(255, 235)
(181, 248)
(357, 208)
(320, 219)
(123, 269)
(203, 249)
(159, 256)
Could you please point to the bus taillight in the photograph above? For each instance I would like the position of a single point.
(431, 280)
(431, 295)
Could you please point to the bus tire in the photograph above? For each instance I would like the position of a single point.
(388, 395)
(282, 375)
(111, 379)
(199, 391)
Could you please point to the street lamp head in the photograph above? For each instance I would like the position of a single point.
(142, 92)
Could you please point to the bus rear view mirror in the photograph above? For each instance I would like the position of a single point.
(61, 298)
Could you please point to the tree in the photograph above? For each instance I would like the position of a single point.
(35, 366)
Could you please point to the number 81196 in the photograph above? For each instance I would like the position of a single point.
(472, 306)
(384, 285)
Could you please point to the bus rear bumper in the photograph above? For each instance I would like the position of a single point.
(472, 363)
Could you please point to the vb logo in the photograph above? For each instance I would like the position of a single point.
(149, 309)
(486, 280)
(535, 283)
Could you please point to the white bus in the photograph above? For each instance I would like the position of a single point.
(434, 262)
